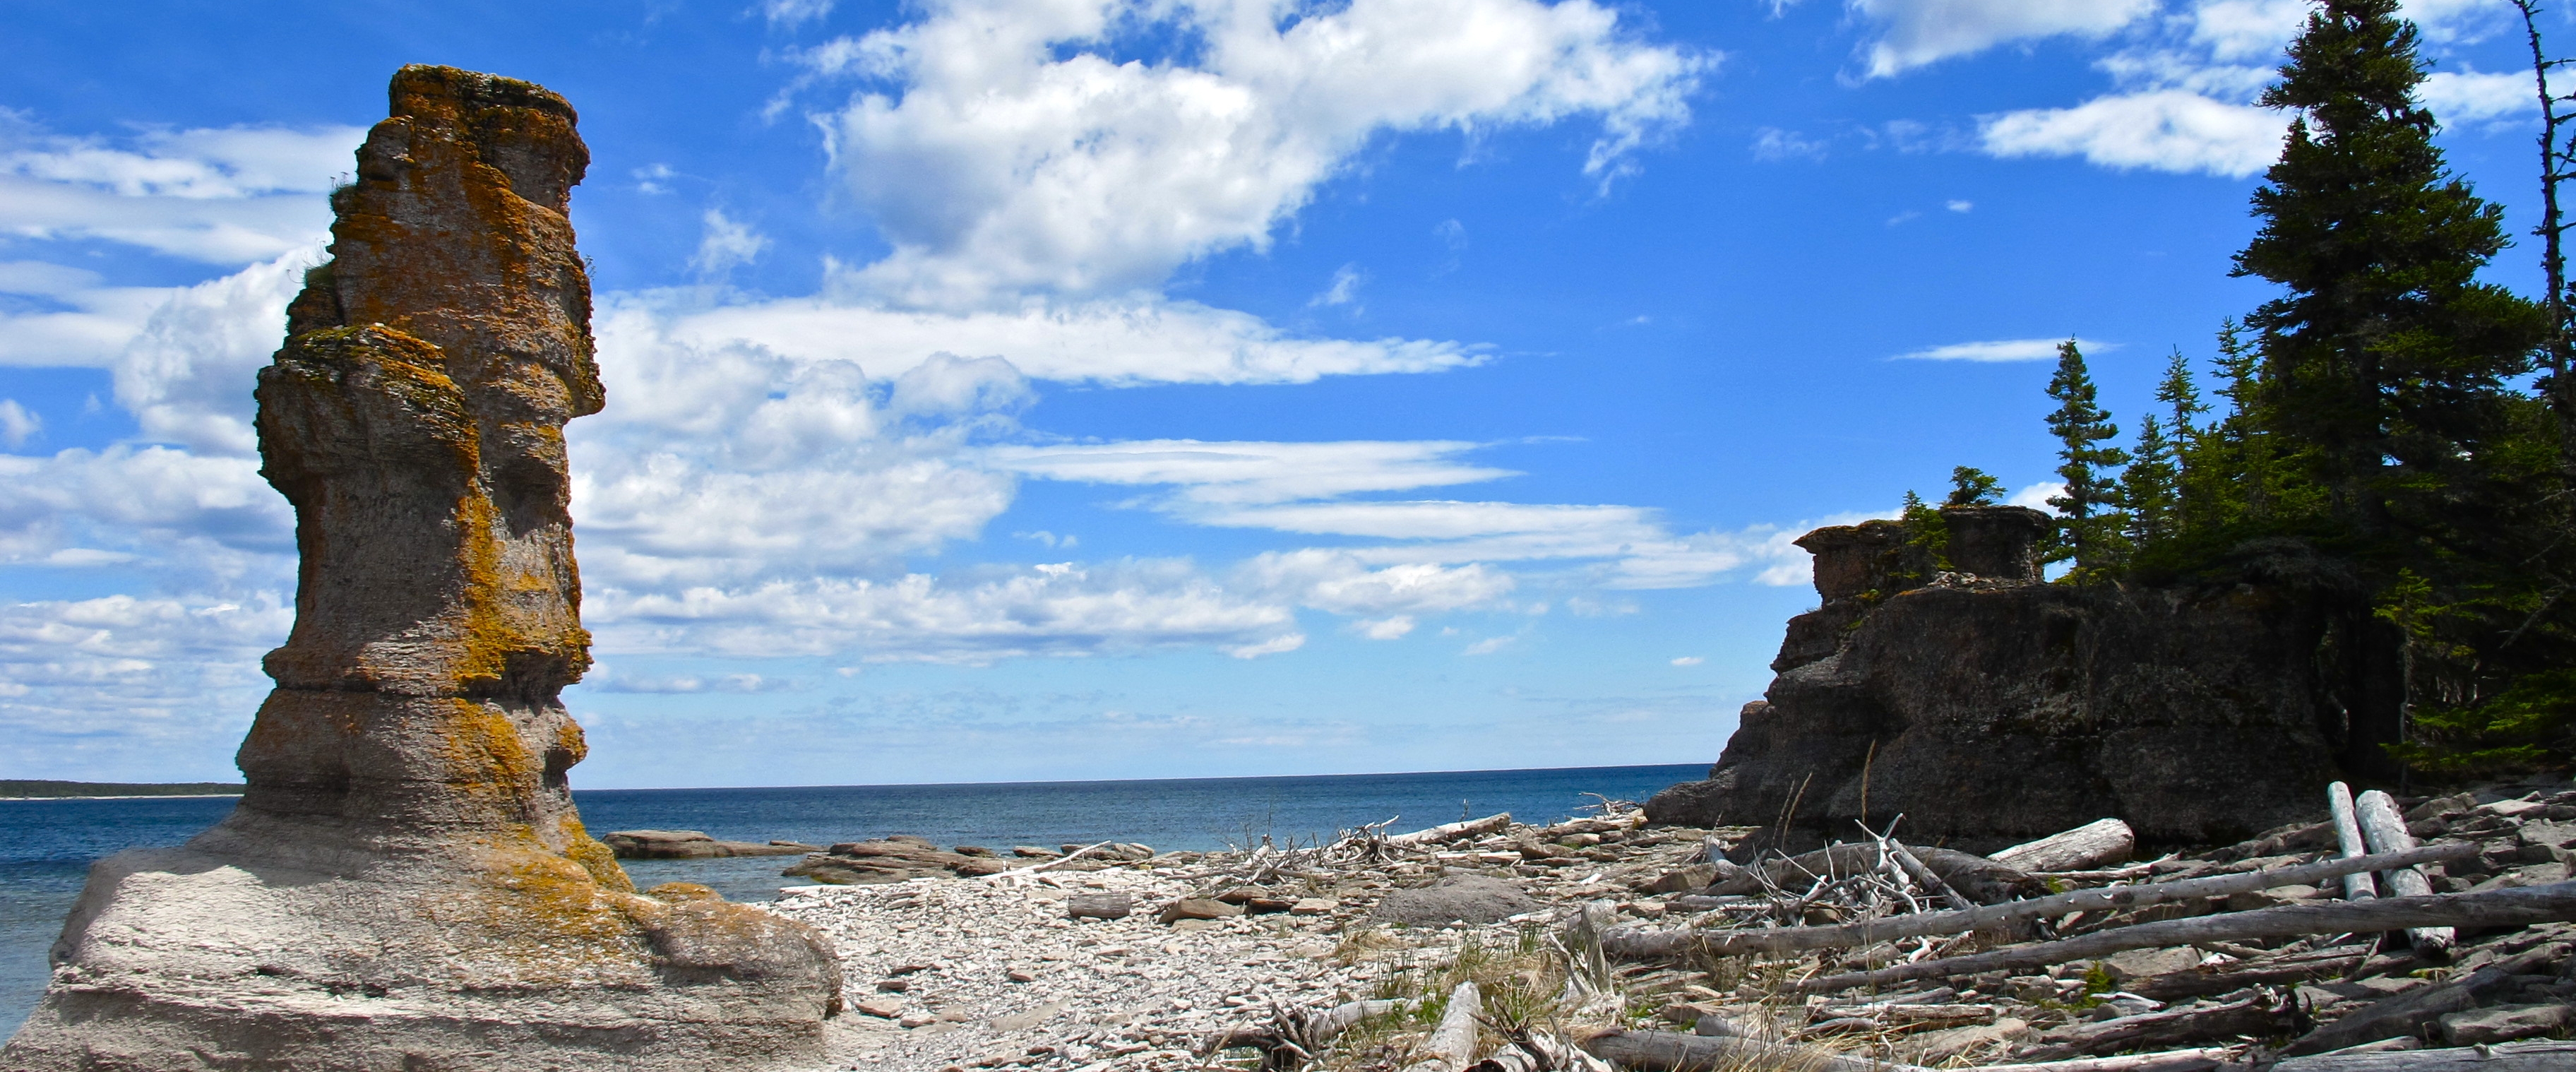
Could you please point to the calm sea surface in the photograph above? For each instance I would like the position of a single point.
(51, 842)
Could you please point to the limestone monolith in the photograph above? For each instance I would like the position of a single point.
(406, 883)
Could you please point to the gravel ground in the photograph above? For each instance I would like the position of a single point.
(989, 973)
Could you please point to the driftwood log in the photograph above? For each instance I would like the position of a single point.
(1923, 876)
(2199, 1060)
(2093, 844)
(1449, 832)
(2357, 886)
(1982, 880)
(1099, 905)
(1309, 1031)
(2383, 828)
(1664, 1051)
(2408, 1013)
(2492, 908)
(2259, 1016)
(1453, 1043)
(1641, 942)
(2227, 978)
(2545, 1056)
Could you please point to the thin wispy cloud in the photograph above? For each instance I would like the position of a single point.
(2002, 350)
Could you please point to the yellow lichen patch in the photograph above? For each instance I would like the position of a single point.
(486, 636)
(545, 922)
(594, 857)
(485, 757)
(677, 892)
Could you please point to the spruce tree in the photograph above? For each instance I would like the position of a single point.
(1971, 486)
(2177, 391)
(2384, 420)
(2386, 360)
(2149, 489)
(2089, 520)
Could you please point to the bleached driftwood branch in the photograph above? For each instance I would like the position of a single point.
(1448, 832)
(2492, 908)
(2093, 844)
(2384, 830)
(1637, 942)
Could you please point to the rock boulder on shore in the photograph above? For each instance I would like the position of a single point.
(405, 883)
(1989, 708)
(692, 845)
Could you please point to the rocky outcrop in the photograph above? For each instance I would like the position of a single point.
(406, 883)
(893, 859)
(1987, 708)
(692, 845)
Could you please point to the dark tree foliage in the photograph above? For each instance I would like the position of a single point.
(2150, 488)
(2386, 360)
(1971, 486)
(2090, 524)
(2382, 411)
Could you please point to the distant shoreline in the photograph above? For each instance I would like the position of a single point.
(54, 789)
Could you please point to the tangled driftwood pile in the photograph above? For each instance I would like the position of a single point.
(2397, 934)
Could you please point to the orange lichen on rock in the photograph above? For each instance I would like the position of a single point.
(406, 881)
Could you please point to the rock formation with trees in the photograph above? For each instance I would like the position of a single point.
(2363, 562)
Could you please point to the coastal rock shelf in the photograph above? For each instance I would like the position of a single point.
(691, 845)
(405, 883)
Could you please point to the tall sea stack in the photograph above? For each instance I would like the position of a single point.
(405, 883)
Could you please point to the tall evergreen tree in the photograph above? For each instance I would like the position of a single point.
(2386, 359)
(2149, 488)
(2384, 420)
(2178, 392)
(2089, 520)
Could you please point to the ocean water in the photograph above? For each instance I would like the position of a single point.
(45, 860)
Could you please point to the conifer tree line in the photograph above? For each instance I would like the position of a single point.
(2402, 425)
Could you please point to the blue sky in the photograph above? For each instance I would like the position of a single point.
(1044, 389)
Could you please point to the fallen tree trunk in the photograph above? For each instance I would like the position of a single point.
(2548, 1056)
(1453, 1044)
(1310, 1032)
(1664, 1051)
(2408, 1013)
(1982, 880)
(2357, 885)
(2491, 908)
(1634, 941)
(1449, 832)
(2384, 829)
(2227, 978)
(1923, 876)
(2200, 1060)
(2090, 845)
(2258, 1016)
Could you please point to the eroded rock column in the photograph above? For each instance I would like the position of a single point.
(406, 883)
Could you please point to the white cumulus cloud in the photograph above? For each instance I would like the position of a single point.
(223, 196)
(1014, 157)
(1913, 33)
(17, 425)
(1039, 611)
(2160, 130)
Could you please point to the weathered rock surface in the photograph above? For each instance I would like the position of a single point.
(1459, 898)
(405, 883)
(893, 859)
(1988, 708)
(692, 845)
